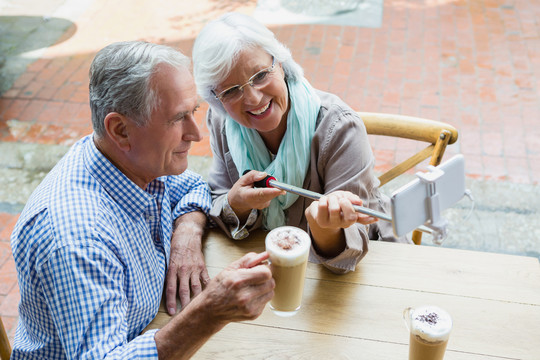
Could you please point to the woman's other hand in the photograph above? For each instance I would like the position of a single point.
(329, 215)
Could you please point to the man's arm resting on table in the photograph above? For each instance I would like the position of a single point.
(186, 265)
(239, 292)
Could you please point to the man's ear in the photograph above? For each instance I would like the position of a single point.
(116, 127)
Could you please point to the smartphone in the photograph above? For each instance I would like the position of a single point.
(410, 207)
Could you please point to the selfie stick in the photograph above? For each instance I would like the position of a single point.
(270, 181)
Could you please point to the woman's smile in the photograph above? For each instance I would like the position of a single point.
(260, 110)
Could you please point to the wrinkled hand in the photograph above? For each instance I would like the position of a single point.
(241, 291)
(187, 273)
(335, 211)
(243, 196)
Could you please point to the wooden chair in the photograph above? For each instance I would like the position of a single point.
(435, 133)
(5, 347)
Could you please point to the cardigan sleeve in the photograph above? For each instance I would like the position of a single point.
(342, 159)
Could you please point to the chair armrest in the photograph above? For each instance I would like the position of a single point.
(407, 127)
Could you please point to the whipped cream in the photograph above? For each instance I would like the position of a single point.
(288, 245)
(431, 323)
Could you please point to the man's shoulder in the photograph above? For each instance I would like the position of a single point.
(68, 180)
(68, 195)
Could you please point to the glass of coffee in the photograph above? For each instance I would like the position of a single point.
(429, 328)
(288, 248)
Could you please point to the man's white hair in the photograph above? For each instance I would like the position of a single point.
(120, 80)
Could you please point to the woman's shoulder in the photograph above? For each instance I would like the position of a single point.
(215, 121)
(332, 102)
(214, 116)
(335, 114)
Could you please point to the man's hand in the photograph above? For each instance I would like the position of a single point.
(187, 271)
(241, 291)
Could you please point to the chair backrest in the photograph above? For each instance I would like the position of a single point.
(5, 347)
(436, 134)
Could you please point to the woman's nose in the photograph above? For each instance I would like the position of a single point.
(252, 96)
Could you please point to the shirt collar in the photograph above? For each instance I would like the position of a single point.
(125, 192)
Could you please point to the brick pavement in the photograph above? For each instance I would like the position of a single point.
(473, 64)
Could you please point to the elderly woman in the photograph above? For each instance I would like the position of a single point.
(265, 116)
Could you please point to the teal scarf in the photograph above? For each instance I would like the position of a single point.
(292, 160)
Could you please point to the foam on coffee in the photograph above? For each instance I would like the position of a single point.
(431, 323)
(288, 244)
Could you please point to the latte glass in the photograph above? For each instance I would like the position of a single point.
(288, 248)
(429, 327)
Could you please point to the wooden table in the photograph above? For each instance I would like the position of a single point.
(494, 300)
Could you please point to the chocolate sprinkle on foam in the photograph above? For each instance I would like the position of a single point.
(430, 318)
(287, 241)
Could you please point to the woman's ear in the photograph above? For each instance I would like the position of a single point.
(116, 128)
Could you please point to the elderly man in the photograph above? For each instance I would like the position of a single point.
(92, 246)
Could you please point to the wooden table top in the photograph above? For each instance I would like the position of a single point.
(494, 300)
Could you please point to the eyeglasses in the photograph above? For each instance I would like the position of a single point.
(257, 81)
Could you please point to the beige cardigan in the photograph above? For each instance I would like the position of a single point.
(341, 159)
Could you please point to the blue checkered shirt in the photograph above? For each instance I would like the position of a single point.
(91, 250)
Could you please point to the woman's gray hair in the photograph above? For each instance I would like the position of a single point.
(120, 80)
(219, 44)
